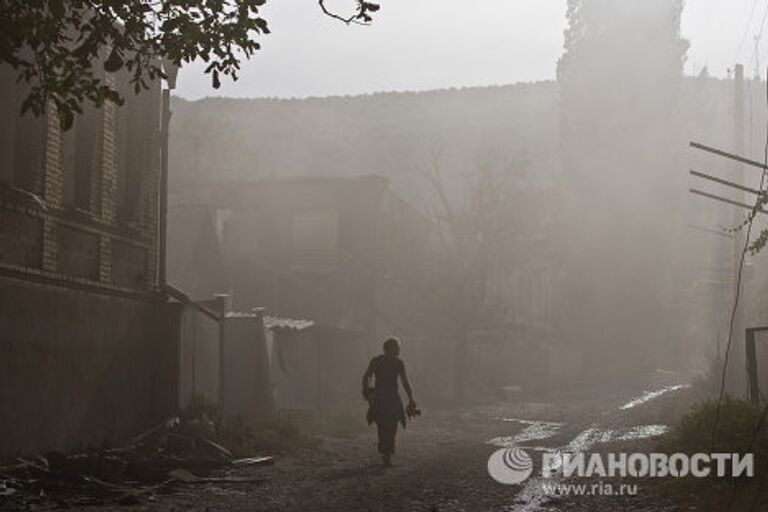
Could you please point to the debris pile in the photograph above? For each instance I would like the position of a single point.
(160, 461)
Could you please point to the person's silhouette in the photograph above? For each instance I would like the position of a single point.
(386, 408)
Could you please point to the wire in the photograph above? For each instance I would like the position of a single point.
(764, 414)
(746, 30)
(759, 36)
(739, 274)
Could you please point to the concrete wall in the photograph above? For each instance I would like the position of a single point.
(200, 358)
(78, 368)
(295, 370)
(318, 368)
(246, 385)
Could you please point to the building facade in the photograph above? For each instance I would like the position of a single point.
(87, 351)
(318, 248)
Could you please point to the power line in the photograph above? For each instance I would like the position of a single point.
(758, 203)
(746, 30)
(763, 416)
(759, 35)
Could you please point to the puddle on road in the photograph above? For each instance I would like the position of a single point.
(531, 498)
(594, 436)
(643, 432)
(587, 439)
(533, 431)
(651, 395)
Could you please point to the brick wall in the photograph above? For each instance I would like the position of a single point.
(88, 352)
(60, 241)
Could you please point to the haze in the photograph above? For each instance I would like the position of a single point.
(533, 231)
(433, 44)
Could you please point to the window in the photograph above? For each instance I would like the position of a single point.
(30, 148)
(8, 115)
(22, 138)
(130, 153)
(78, 159)
(315, 231)
(137, 130)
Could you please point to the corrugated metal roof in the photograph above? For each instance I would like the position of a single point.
(273, 322)
(255, 313)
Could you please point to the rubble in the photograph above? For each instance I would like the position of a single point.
(160, 461)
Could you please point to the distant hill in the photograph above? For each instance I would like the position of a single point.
(391, 133)
(384, 133)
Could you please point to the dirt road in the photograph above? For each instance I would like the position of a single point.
(441, 464)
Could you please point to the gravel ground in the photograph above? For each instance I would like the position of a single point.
(441, 465)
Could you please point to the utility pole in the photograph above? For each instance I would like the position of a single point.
(171, 71)
(736, 355)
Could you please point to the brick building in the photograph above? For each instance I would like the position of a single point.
(87, 351)
(320, 248)
(343, 252)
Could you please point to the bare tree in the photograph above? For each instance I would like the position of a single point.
(470, 230)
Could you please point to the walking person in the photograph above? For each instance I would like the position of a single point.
(385, 407)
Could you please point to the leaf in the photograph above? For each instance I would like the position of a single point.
(100, 97)
(57, 8)
(66, 118)
(262, 24)
(56, 47)
(114, 63)
(115, 97)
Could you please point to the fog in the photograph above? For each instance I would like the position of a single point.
(595, 270)
(513, 205)
(623, 145)
(531, 232)
(435, 44)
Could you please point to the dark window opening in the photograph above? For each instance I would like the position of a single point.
(29, 148)
(8, 115)
(132, 145)
(78, 159)
(22, 138)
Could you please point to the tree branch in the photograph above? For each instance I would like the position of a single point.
(353, 19)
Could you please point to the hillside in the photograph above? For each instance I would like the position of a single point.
(385, 133)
